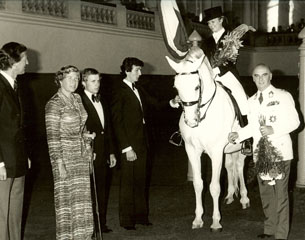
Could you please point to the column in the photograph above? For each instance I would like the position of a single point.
(301, 140)
(251, 13)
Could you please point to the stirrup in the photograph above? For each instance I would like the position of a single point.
(176, 139)
(246, 147)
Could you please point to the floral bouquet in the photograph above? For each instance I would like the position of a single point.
(269, 164)
(231, 45)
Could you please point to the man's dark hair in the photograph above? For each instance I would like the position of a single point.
(10, 54)
(128, 63)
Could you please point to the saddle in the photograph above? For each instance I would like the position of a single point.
(246, 145)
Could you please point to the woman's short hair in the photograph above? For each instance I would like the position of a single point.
(128, 63)
(87, 72)
(10, 54)
(63, 72)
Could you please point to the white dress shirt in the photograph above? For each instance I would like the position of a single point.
(218, 34)
(98, 107)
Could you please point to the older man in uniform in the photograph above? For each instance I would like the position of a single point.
(277, 107)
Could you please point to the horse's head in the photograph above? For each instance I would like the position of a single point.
(189, 83)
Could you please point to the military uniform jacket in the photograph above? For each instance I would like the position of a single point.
(279, 111)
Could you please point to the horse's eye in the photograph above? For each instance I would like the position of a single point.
(197, 88)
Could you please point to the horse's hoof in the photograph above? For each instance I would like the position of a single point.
(246, 205)
(196, 226)
(215, 229)
(229, 201)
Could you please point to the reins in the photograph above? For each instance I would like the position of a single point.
(198, 102)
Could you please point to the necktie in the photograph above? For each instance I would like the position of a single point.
(133, 86)
(260, 99)
(96, 98)
(15, 85)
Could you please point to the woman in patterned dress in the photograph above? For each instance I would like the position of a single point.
(70, 158)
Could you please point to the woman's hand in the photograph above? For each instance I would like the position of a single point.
(88, 135)
(62, 170)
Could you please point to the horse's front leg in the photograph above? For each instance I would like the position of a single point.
(244, 200)
(195, 161)
(216, 158)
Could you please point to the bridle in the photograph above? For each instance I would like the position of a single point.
(198, 102)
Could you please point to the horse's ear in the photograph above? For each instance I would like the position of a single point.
(175, 66)
(205, 69)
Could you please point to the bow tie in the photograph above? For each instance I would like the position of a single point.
(96, 98)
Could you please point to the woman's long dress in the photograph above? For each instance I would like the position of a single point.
(65, 121)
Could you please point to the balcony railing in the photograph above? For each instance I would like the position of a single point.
(2, 4)
(75, 11)
(98, 13)
(140, 20)
(56, 8)
(261, 39)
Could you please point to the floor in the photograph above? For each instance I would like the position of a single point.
(172, 205)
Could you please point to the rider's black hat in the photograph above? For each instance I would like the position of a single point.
(212, 13)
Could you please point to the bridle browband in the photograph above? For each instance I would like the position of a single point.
(198, 102)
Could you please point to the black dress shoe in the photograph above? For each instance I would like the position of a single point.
(146, 224)
(263, 235)
(105, 229)
(130, 228)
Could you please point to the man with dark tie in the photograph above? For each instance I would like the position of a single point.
(99, 123)
(13, 152)
(272, 115)
(130, 131)
(129, 109)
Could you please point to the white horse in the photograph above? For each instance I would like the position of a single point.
(207, 119)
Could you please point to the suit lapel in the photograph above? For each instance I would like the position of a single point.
(12, 96)
(91, 109)
(131, 93)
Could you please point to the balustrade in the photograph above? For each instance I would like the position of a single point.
(282, 39)
(141, 20)
(55, 8)
(2, 4)
(98, 13)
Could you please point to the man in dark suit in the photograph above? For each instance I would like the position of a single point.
(98, 122)
(128, 108)
(13, 154)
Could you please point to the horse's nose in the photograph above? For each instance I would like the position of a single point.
(192, 123)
